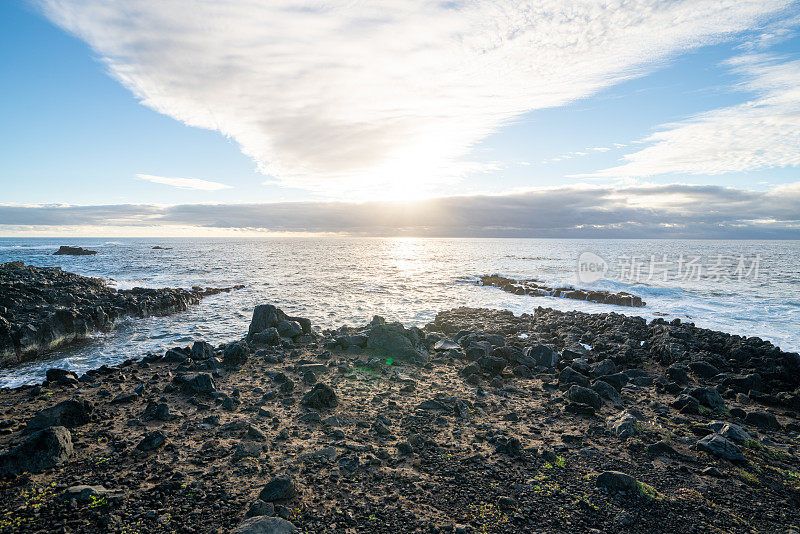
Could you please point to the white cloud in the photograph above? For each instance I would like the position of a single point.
(184, 183)
(761, 133)
(373, 98)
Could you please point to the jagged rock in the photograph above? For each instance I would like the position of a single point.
(321, 397)
(492, 364)
(152, 441)
(606, 391)
(719, 446)
(623, 425)
(584, 395)
(235, 354)
(707, 396)
(571, 376)
(395, 341)
(278, 489)
(201, 383)
(703, 369)
(65, 250)
(201, 351)
(68, 413)
(762, 420)
(290, 329)
(729, 430)
(41, 450)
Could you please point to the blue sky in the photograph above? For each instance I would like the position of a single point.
(80, 93)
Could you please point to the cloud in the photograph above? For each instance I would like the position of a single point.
(673, 210)
(184, 183)
(761, 133)
(374, 98)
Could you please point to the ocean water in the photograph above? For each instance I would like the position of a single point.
(743, 287)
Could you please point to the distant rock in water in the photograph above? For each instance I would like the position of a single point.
(43, 308)
(157, 247)
(535, 288)
(73, 251)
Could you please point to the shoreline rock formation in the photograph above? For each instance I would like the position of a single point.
(64, 250)
(480, 422)
(45, 308)
(535, 288)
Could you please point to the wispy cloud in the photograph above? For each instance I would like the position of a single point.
(674, 210)
(184, 183)
(372, 98)
(761, 133)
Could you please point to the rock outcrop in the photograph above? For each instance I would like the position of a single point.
(42, 308)
(535, 288)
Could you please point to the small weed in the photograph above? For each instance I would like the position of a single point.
(646, 490)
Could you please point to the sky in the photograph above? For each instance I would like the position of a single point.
(644, 118)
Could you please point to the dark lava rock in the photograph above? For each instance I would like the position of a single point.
(61, 376)
(68, 413)
(196, 383)
(266, 316)
(152, 441)
(46, 307)
(762, 421)
(260, 509)
(607, 391)
(278, 489)
(707, 396)
(492, 364)
(42, 450)
(321, 397)
(290, 329)
(264, 525)
(703, 369)
(584, 395)
(719, 446)
(686, 404)
(623, 425)
(201, 351)
(571, 376)
(268, 336)
(540, 355)
(617, 380)
(395, 341)
(235, 354)
(64, 250)
(615, 482)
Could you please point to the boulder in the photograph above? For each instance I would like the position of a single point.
(606, 391)
(571, 376)
(762, 420)
(623, 425)
(152, 441)
(201, 351)
(269, 336)
(583, 395)
(719, 446)
(703, 369)
(729, 430)
(540, 355)
(42, 450)
(395, 341)
(492, 364)
(201, 383)
(235, 354)
(69, 413)
(707, 396)
(290, 329)
(278, 489)
(321, 397)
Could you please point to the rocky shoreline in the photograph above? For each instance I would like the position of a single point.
(535, 288)
(42, 308)
(480, 422)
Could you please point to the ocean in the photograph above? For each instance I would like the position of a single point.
(749, 288)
